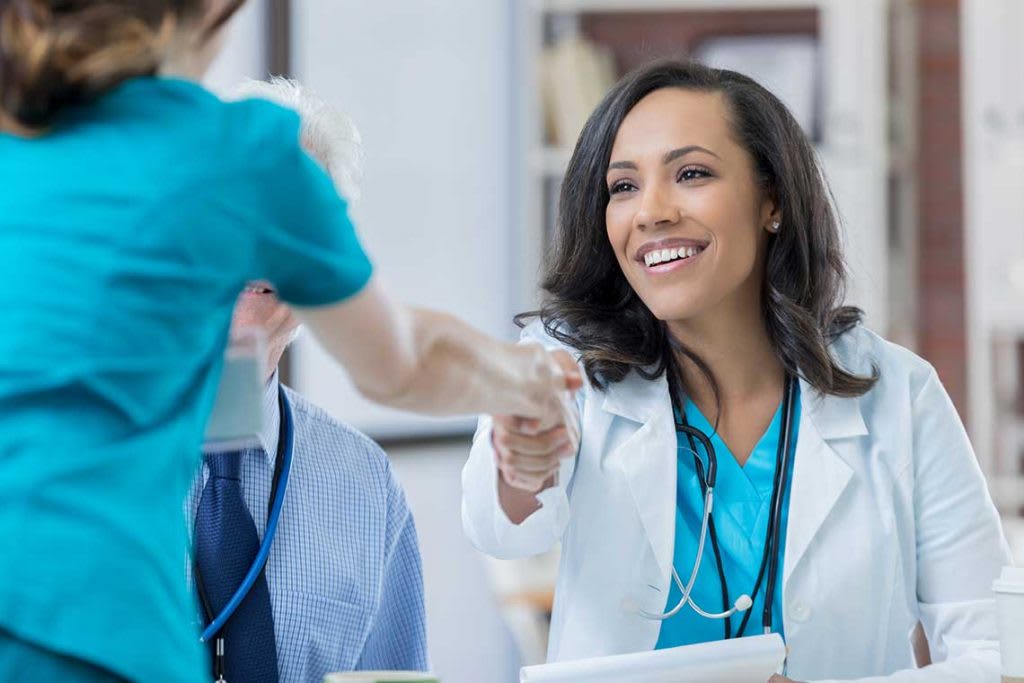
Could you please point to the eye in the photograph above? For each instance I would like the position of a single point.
(692, 173)
(620, 186)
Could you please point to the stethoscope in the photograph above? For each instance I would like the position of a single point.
(770, 557)
(282, 466)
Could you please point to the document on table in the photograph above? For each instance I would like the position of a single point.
(741, 660)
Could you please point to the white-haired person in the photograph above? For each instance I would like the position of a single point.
(135, 207)
(344, 584)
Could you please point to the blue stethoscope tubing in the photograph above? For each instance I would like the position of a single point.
(268, 537)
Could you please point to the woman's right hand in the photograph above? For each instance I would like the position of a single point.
(529, 450)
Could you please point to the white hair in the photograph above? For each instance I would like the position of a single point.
(328, 134)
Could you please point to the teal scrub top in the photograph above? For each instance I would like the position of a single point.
(126, 233)
(741, 511)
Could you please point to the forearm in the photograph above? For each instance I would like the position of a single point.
(453, 369)
(426, 361)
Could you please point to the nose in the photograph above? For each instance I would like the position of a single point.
(656, 209)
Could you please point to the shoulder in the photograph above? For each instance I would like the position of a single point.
(246, 132)
(201, 111)
(264, 122)
(535, 331)
(313, 421)
(337, 448)
(223, 141)
(264, 134)
(862, 351)
(555, 337)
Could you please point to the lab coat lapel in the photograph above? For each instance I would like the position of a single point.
(820, 471)
(647, 458)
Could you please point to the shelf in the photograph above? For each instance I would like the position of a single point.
(570, 6)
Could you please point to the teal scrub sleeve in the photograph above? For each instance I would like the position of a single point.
(311, 253)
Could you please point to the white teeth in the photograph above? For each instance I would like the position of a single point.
(653, 258)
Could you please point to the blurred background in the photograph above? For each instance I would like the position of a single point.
(469, 110)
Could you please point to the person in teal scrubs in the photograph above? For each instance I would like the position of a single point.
(135, 208)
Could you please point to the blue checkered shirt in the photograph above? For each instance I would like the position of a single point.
(345, 578)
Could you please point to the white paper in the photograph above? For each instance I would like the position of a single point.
(741, 660)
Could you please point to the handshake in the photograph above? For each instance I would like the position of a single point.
(530, 445)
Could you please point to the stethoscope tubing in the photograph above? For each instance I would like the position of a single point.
(268, 537)
(770, 555)
(686, 590)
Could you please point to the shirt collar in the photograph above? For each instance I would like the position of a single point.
(271, 419)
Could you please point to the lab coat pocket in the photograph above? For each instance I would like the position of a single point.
(317, 634)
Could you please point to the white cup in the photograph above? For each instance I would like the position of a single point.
(381, 677)
(1009, 590)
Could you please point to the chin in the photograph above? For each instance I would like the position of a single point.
(668, 309)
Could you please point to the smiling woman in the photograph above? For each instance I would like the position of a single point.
(736, 406)
(736, 141)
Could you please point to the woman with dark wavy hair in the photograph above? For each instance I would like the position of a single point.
(135, 207)
(697, 276)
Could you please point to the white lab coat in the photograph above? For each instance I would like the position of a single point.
(890, 522)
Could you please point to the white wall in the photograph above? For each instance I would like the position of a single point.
(428, 86)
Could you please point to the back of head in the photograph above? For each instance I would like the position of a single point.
(58, 53)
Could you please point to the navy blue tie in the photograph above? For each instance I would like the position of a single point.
(225, 545)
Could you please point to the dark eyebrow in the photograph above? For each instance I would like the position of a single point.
(683, 151)
(667, 159)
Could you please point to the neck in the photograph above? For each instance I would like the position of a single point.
(734, 344)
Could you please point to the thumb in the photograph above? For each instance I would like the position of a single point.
(570, 371)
